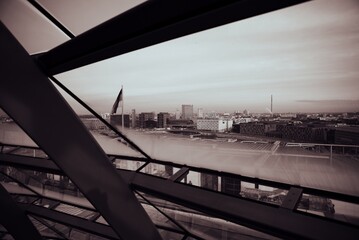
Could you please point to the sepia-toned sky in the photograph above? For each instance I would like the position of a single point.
(307, 56)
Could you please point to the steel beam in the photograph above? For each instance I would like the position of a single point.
(292, 199)
(259, 216)
(150, 23)
(12, 218)
(71, 221)
(38, 108)
(274, 220)
(58, 24)
(32, 163)
(180, 174)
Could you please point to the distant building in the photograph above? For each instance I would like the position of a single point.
(219, 125)
(187, 111)
(256, 128)
(178, 114)
(244, 120)
(147, 120)
(200, 113)
(211, 115)
(245, 112)
(302, 133)
(133, 118)
(181, 123)
(346, 135)
(288, 115)
(116, 120)
(162, 119)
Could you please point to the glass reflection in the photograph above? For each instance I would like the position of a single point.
(33, 30)
(330, 208)
(160, 170)
(67, 12)
(200, 225)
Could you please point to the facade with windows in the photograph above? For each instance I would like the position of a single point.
(218, 125)
(187, 112)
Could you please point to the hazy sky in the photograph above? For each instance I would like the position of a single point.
(307, 56)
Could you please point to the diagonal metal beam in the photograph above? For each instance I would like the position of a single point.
(69, 220)
(262, 217)
(292, 199)
(271, 219)
(107, 124)
(150, 23)
(38, 108)
(180, 174)
(12, 217)
(58, 24)
(32, 163)
(35, 164)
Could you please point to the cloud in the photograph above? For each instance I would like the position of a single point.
(330, 101)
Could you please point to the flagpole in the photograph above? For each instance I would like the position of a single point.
(123, 123)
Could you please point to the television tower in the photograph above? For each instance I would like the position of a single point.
(271, 103)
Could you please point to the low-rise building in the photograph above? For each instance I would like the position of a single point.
(219, 125)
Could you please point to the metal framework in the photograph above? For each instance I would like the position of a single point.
(282, 221)
(12, 216)
(80, 156)
(82, 159)
(150, 23)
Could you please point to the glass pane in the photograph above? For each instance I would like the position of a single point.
(158, 218)
(4, 233)
(170, 235)
(29, 152)
(160, 170)
(102, 220)
(330, 208)
(11, 133)
(263, 193)
(76, 234)
(24, 198)
(10, 184)
(277, 84)
(75, 211)
(81, 15)
(66, 231)
(108, 140)
(234, 186)
(6, 236)
(128, 164)
(43, 228)
(46, 184)
(35, 32)
(204, 226)
(46, 203)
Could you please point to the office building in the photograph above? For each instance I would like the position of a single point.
(162, 119)
(200, 113)
(133, 118)
(147, 120)
(116, 120)
(218, 125)
(187, 112)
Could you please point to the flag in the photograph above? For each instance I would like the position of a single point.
(118, 100)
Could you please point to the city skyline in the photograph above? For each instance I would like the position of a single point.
(307, 56)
